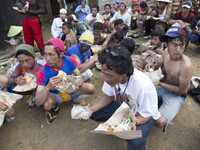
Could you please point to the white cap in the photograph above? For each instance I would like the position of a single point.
(63, 11)
(166, 1)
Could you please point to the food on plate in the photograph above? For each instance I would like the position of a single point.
(124, 125)
(62, 75)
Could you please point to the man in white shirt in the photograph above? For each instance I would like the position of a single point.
(123, 83)
(56, 27)
(91, 18)
(124, 15)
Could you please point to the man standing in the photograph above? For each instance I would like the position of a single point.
(124, 85)
(185, 18)
(81, 53)
(56, 27)
(124, 15)
(83, 10)
(31, 25)
(47, 80)
(177, 70)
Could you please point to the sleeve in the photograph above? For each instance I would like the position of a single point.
(87, 10)
(148, 101)
(53, 29)
(41, 79)
(18, 69)
(88, 17)
(113, 18)
(128, 20)
(78, 8)
(107, 89)
(73, 64)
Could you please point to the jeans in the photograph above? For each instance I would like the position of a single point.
(134, 144)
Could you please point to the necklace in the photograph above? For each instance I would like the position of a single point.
(121, 98)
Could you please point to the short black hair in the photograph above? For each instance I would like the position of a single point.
(67, 24)
(143, 4)
(24, 52)
(119, 35)
(129, 44)
(98, 26)
(49, 43)
(158, 33)
(117, 58)
(181, 38)
(117, 22)
(107, 5)
(123, 4)
(96, 6)
(161, 23)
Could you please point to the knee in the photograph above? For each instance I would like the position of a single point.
(91, 89)
(48, 105)
(161, 122)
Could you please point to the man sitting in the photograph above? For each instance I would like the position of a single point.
(47, 80)
(195, 38)
(56, 27)
(81, 53)
(177, 69)
(185, 18)
(120, 80)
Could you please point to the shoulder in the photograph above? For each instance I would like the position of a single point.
(187, 63)
(40, 62)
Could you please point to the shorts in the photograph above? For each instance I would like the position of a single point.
(171, 105)
(62, 97)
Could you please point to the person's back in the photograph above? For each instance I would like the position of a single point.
(82, 27)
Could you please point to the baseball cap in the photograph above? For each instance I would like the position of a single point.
(116, 2)
(27, 48)
(135, 1)
(187, 4)
(63, 11)
(72, 17)
(58, 44)
(173, 31)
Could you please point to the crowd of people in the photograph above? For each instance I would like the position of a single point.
(121, 64)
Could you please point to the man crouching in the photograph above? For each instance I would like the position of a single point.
(47, 80)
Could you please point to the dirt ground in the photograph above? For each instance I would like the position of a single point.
(29, 130)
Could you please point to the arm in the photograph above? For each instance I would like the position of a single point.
(78, 73)
(104, 101)
(89, 64)
(87, 10)
(3, 81)
(168, 14)
(78, 9)
(90, 21)
(40, 9)
(184, 80)
(42, 92)
(53, 29)
(172, 21)
(16, 79)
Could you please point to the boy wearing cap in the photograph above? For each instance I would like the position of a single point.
(56, 27)
(25, 55)
(83, 10)
(81, 52)
(31, 25)
(78, 26)
(185, 18)
(177, 69)
(47, 80)
(116, 6)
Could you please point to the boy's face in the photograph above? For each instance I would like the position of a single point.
(155, 40)
(116, 41)
(94, 11)
(65, 30)
(107, 9)
(63, 16)
(119, 26)
(83, 4)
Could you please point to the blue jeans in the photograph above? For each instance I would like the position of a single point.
(135, 144)
(172, 103)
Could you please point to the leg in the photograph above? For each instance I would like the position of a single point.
(171, 105)
(86, 88)
(140, 144)
(188, 33)
(50, 102)
(105, 113)
(147, 27)
(27, 31)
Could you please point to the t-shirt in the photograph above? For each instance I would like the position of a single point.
(82, 15)
(184, 19)
(56, 27)
(69, 64)
(125, 17)
(74, 49)
(139, 92)
(38, 65)
(90, 17)
(81, 27)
